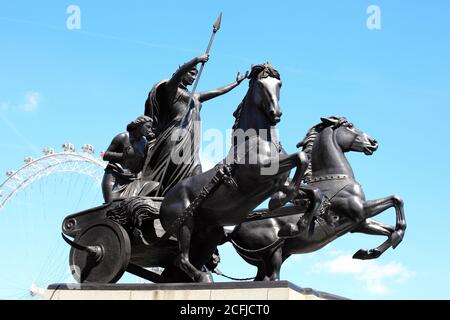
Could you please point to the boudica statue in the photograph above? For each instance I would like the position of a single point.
(163, 211)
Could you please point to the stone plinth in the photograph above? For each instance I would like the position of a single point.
(280, 290)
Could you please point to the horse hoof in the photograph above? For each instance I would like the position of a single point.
(360, 254)
(374, 253)
(204, 278)
(396, 238)
(367, 254)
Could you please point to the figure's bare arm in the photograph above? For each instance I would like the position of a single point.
(204, 96)
(114, 152)
(174, 82)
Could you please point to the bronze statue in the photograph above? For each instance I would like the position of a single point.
(259, 243)
(196, 209)
(126, 155)
(167, 105)
(166, 213)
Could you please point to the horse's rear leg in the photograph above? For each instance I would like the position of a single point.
(261, 274)
(204, 244)
(182, 261)
(272, 265)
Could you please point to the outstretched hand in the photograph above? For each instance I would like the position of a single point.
(240, 78)
(203, 58)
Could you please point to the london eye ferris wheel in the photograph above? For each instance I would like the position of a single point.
(33, 202)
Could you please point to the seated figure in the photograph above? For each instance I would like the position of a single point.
(126, 155)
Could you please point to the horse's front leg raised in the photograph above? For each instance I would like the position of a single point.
(373, 227)
(374, 207)
(290, 190)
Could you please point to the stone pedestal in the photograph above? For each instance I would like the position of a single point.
(281, 290)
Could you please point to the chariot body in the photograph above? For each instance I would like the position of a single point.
(126, 235)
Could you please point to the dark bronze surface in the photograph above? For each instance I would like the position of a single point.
(147, 193)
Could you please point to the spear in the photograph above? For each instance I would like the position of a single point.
(216, 27)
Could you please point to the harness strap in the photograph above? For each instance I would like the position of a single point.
(273, 245)
(223, 174)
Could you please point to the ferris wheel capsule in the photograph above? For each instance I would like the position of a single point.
(68, 147)
(88, 148)
(48, 151)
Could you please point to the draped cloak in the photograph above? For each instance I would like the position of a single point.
(174, 155)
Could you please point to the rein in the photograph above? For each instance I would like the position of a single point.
(220, 273)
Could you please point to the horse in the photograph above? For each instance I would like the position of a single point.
(257, 168)
(258, 242)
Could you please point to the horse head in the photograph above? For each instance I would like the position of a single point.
(326, 143)
(349, 137)
(265, 84)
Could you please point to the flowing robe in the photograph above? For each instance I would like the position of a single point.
(174, 155)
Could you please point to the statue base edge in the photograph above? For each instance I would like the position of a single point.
(279, 290)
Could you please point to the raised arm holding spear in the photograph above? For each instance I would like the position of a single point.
(172, 108)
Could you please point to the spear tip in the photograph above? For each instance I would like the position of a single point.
(216, 25)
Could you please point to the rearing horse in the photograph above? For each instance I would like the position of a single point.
(259, 169)
(330, 172)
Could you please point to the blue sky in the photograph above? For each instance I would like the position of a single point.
(84, 86)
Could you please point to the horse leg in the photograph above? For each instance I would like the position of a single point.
(204, 245)
(302, 166)
(370, 226)
(273, 265)
(182, 261)
(306, 221)
(373, 208)
(287, 162)
(173, 274)
(373, 227)
(261, 274)
(290, 190)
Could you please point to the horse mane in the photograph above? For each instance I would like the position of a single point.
(308, 142)
(259, 71)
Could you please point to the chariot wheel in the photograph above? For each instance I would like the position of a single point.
(100, 253)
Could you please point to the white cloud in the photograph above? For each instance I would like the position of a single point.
(32, 100)
(374, 275)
